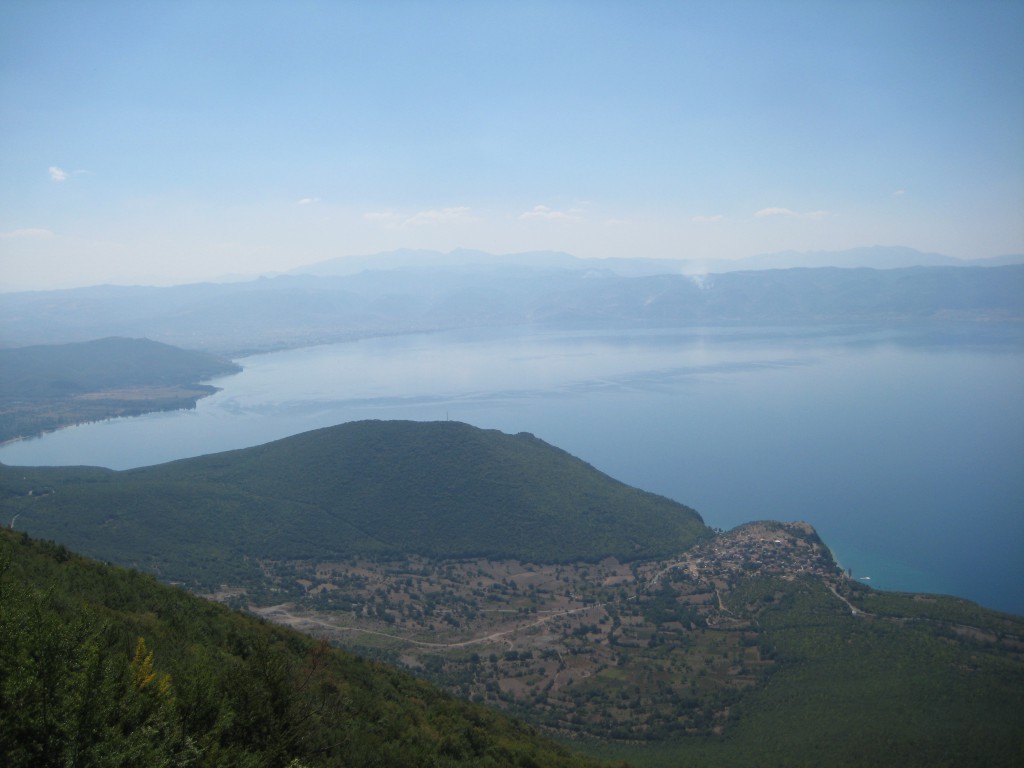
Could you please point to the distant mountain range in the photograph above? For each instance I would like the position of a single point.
(874, 257)
(412, 292)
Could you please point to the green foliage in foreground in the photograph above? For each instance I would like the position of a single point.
(439, 490)
(902, 689)
(104, 667)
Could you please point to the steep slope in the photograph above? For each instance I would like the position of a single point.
(440, 490)
(102, 666)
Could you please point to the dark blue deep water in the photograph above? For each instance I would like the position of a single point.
(905, 449)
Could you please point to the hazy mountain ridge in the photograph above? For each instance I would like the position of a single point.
(301, 310)
(871, 257)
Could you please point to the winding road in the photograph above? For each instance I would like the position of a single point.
(279, 612)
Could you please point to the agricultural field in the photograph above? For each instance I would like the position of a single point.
(606, 649)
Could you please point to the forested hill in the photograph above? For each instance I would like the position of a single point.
(102, 666)
(62, 370)
(440, 490)
(50, 386)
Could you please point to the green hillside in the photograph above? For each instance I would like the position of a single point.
(104, 667)
(438, 490)
(910, 680)
(601, 613)
(46, 387)
(62, 370)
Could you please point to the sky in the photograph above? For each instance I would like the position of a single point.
(166, 142)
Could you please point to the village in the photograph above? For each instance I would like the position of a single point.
(561, 638)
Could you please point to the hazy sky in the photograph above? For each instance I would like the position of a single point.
(169, 141)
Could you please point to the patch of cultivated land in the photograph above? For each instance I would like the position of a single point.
(25, 418)
(559, 642)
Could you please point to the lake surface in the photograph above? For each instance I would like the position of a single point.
(905, 449)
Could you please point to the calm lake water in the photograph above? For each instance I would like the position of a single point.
(905, 449)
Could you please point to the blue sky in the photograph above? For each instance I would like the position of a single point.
(160, 142)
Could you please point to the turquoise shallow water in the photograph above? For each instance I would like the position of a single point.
(905, 450)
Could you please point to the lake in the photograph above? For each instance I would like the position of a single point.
(904, 448)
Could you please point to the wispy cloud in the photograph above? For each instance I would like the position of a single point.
(789, 213)
(543, 213)
(774, 212)
(899, 193)
(307, 201)
(26, 234)
(708, 219)
(437, 216)
(431, 217)
(57, 174)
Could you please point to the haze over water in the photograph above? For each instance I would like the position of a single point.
(904, 450)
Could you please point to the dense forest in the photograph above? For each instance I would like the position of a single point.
(100, 666)
(440, 490)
